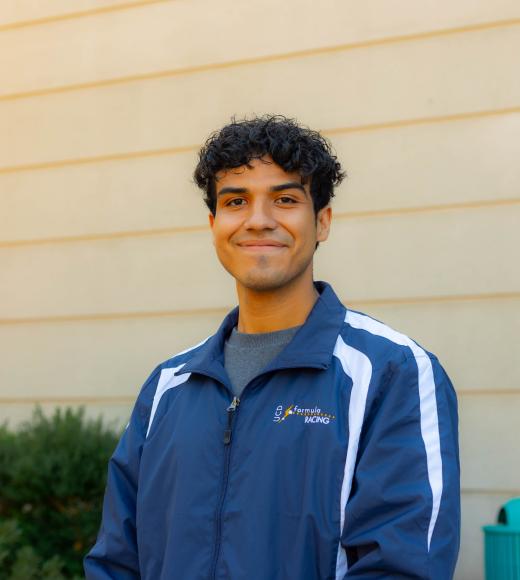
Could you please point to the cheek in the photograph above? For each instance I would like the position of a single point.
(225, 226)
(220, 231)
(222, 244)
(308, 234)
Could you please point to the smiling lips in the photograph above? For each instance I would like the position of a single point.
(260, 244)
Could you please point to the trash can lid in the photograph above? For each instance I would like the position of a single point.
(509, 513)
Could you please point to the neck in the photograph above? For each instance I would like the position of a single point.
(268, 311)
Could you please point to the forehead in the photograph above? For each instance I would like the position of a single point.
(259, 171)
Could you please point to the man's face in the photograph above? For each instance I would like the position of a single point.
(264, 229)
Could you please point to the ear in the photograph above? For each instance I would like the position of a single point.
(211, 219)
(323, 221)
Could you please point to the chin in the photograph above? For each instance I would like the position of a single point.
(264, 283)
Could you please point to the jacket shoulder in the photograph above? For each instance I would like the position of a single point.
(158, 381)
(167, 367)
(379, 342)
(181, 358)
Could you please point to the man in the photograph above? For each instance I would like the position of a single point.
(303, 440)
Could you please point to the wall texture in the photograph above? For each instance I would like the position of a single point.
(106, 263)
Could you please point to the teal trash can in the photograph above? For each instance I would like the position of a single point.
(502, 544)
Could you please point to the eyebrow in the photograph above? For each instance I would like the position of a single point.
(274, 188)
(232, 190)
(288, 185)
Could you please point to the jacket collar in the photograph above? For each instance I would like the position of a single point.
(311, 347)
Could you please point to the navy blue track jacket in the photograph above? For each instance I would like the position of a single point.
(340, 461)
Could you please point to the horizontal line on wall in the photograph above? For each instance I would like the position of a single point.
(366, 214)
(67, 400)
(106, 236)
(79, 14)
(261, 59)
(103, 158)
(471, 491)
(483, 204)
(489, 392)
(354, 304)
(497, 296)
(124, 156)
(466, 116)
(124, 400)
(116, 316)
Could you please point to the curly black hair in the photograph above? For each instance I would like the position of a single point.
(292, 146)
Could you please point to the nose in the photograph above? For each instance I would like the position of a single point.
(260, 216)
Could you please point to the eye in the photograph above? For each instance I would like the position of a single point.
(285, 199)
(235, 202)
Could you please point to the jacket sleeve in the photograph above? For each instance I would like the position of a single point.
(114, 555)
(402, 519)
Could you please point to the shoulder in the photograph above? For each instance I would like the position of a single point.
(178, 360)
(371, 348)
(163, 374)
(380, 343)
(387, 364)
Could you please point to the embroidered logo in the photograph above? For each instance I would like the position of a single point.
(310, 415)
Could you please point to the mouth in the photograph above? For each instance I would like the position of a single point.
(261, 242)
(261, 245)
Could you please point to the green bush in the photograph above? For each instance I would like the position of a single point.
(52, 479)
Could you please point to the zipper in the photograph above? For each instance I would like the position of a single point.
(231, 412)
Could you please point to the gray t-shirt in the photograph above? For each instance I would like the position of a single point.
(246, 355)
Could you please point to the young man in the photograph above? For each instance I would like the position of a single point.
(303, 440)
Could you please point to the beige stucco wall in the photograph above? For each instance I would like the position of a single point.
(106, 265)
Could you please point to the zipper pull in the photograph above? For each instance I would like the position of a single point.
(230, 411)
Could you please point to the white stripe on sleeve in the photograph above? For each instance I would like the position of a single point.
(427, 404)
(359, 368)
(167, 380)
